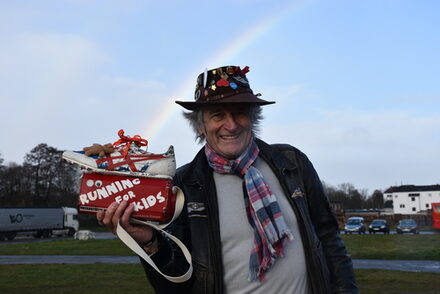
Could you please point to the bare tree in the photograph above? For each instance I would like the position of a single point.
(14, 186)
(352, 198)
(51, 177)
(377, 199)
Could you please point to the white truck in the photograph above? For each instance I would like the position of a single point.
(42, 222)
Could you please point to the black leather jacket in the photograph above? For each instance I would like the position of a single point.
(329, 267)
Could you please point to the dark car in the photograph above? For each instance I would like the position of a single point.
(407, 226)
(379, 225)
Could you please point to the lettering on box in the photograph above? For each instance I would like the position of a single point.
(108, 190)
(152, 198)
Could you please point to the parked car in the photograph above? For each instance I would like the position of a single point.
(379, 225)
(407, 226)
(355, 225)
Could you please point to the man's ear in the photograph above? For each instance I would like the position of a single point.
(201, 133)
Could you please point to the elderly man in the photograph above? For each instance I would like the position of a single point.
(256, 219)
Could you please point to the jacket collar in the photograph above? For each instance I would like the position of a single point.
(272, 154)
(198, 170)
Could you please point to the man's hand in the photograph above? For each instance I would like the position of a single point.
(98, 149)
(121, 212)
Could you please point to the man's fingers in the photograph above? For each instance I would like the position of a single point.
(118, 213)
(108, 216)
(99, 216)
(125, 218)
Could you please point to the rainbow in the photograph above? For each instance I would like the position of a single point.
(242, 41)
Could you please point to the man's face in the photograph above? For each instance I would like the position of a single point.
(227, 130)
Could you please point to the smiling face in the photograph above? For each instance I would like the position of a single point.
(227, 129)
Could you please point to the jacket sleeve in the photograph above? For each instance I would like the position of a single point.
(169, 258)
(339, 263)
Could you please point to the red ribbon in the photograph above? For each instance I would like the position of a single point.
(127, 141)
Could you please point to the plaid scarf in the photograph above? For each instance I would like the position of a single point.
(263, 211)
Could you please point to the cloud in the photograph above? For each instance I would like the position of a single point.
(370, 150)
(55, 89)
(42, 71)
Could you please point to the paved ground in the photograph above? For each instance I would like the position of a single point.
(395, 233)
(28, 238)
(400, 265)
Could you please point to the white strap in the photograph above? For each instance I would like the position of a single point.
(133, 245)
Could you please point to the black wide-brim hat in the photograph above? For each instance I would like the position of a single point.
(227, 84)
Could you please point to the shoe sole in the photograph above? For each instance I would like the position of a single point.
(93, 169)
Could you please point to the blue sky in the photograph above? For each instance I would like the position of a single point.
(357, 83)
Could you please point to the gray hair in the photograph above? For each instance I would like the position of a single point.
(195, 119)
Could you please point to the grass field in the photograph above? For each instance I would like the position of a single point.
(68, 247)
(419, 247)
(130, 278)
(73, 278)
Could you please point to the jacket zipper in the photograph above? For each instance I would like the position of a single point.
(214, 245)
(303, 230)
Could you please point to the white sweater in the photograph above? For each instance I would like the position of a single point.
(288, 274)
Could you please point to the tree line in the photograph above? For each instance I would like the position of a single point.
(45, 180)
(351, 198)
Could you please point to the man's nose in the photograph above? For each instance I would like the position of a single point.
(230, 122)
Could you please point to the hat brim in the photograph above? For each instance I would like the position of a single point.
(246, 98)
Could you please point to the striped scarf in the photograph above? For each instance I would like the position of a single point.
(263, 211)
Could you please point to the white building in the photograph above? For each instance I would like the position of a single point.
(411, 199)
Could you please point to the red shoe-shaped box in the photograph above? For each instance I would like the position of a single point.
(152, 198)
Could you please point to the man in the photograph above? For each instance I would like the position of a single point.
(256, 217)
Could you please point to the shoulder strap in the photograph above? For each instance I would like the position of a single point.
(133, 245)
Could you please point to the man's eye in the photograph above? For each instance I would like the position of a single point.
(240, 114)
(216, 116)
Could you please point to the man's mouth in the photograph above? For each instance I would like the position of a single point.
(229, 137)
